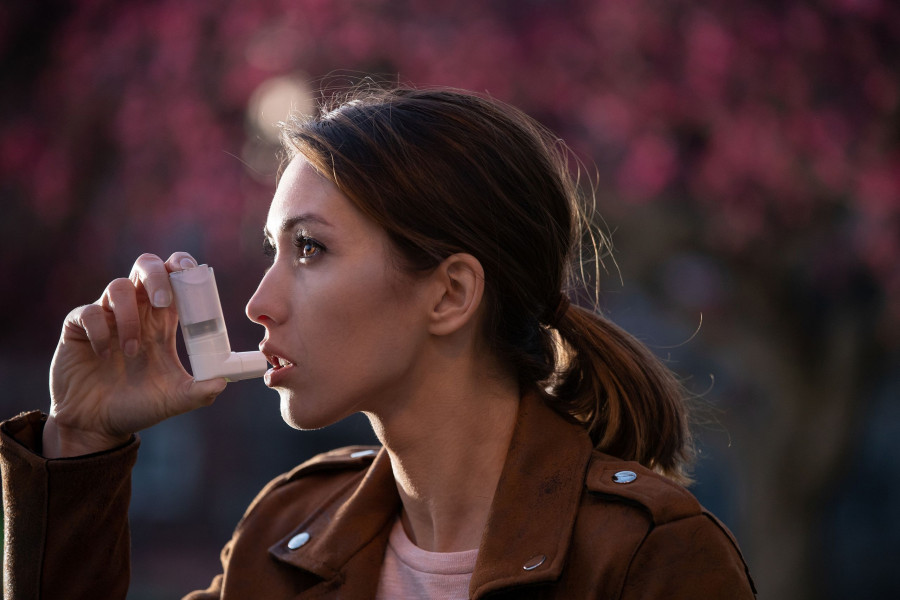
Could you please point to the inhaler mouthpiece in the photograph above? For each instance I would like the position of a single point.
(203, 327)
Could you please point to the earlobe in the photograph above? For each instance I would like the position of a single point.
(459, 282)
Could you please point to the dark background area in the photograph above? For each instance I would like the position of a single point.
(746, 161)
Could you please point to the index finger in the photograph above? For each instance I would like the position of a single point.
(149, 272)
(179, 261)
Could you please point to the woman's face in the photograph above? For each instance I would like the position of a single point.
(344, 327)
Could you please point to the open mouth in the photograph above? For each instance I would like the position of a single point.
(277, 362)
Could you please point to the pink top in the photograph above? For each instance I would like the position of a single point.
(410, 572)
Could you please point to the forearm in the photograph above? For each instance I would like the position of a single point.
(66, 520)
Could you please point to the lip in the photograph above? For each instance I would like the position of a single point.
(276, 377)
(275, 374)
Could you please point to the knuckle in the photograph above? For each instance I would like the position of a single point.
(91, 311)
(157, 278)
(129, 320)
(120, 285)
(77, 313)
(91, 319)
(145, 264)
(147, 257)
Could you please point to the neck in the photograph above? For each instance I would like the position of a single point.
(447, 452)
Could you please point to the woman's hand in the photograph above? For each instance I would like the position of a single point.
(116, 369)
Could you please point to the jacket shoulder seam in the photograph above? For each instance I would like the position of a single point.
(661, 498)
(346, 458)
(349, 458)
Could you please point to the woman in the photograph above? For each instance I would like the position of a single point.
(420, 242)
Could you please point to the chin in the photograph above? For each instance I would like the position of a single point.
(300, 419)
(290, 416)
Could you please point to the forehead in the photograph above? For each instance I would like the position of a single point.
(306, 198)
(303, 191)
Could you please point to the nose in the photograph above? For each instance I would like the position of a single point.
(262, 305)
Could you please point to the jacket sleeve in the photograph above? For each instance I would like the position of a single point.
(694, 557)
(66, 520)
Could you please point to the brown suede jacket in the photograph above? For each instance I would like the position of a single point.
(566, 522)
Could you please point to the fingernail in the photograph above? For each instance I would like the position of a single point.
(161, 298)
(188, 263)
(131, 348)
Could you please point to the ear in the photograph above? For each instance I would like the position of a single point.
(459, 287)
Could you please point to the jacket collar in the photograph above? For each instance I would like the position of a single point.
(349, 521)
(533, 513)
(530, 523)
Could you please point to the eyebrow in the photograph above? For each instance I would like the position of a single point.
(290, 223)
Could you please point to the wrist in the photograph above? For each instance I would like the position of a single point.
(64, 442)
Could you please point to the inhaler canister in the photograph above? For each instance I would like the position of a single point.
(203, 328)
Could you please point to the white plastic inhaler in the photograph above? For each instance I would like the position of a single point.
(203, 328)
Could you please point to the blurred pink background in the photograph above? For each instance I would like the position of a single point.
(746, 157)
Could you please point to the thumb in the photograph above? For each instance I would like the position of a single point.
(203, 393)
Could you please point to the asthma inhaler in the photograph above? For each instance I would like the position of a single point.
(203, 328)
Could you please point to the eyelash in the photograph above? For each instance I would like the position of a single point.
(300, 242)
(268, 249)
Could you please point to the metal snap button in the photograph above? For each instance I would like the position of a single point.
(298, 540)
(534, 562)
(361, 453)
(624, 477)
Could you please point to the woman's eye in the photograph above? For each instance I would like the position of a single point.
(308, 247)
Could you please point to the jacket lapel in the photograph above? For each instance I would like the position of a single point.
(347, 536)
(533, 513)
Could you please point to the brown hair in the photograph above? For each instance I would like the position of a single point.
(445, 171)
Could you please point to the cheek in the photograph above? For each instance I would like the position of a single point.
(370, 325)
(358, 323)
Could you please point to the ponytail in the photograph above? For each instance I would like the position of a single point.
(631, 404)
